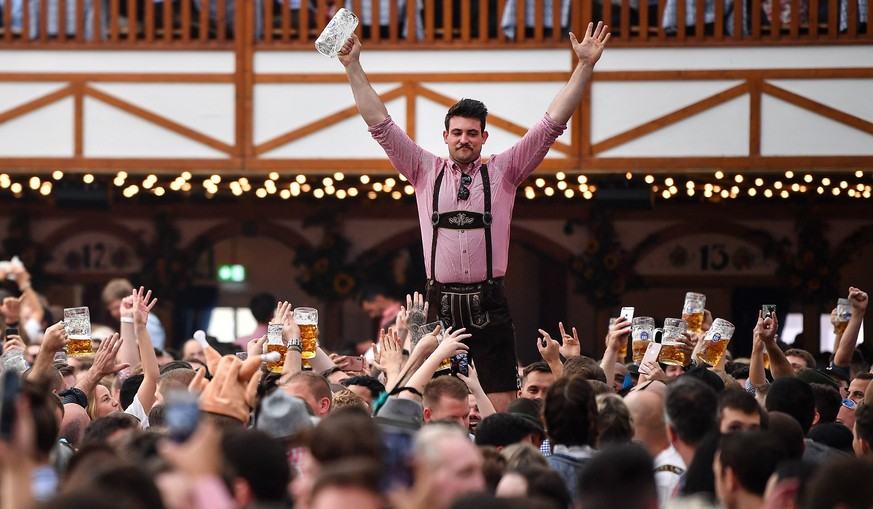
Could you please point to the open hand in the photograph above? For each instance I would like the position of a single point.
(589, 50)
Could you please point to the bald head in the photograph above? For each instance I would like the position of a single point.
(647, 411)
(74, 423)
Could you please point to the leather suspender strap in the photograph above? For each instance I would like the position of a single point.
(435, 221)
(486, 220)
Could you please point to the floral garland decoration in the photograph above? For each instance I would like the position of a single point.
(603, 271)
(326, 275)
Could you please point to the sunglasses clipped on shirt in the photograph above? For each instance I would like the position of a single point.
(463, 189)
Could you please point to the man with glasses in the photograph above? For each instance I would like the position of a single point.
(465, 206)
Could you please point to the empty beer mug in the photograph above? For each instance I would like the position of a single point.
(642, 333)
(336, 33)
(692, 311)
(716, 341)
(671, 342)
(77, 325)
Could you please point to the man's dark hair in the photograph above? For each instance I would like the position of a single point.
(370, 292)
(586, 367)
(827, 402)
(843, 483)
(103, 428)
(803, 354)
(156, 416)
(260, 460)
(794, 397)
(262, 306)
(348, 432)
(355, 473)
(741, 400)
(545, 484)
(753, 457)
(375, 386)
(468, 108)
(570, 412)
(128, 390)
(620, 476)
(864, 423)
(538, 367)
(170, 366)
(175, 379)
(501, 429)
(127, 486)
(690, 408)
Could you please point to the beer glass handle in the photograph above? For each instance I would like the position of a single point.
(655, 335)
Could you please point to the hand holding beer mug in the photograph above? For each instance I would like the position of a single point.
(77, 324)
(307, 320)
(692, 311)
(276, 343)
(642, 334)
(673, 348)
(716, 341)
(842, 315)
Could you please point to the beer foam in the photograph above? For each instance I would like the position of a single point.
(200, 336)
(272, 357)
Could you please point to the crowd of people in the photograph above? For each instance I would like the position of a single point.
(130, 426)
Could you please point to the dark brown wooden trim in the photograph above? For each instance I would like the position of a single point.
(818, 108)
(78, 120)
(755, 117)
(118, 77)
(158, 120)
(670, 118)
(497, 77)
(735, 74)
(36, 104)
(322, 123)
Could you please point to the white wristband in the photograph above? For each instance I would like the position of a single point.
(126, 319)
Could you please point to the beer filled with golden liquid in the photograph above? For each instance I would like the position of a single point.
(766, 360)
(276, 367)
(671, 353)
(694, 320)
(639, 349)
(840, 327)
(716, 341)
(712, 351)
(79, 346)
(308, 340)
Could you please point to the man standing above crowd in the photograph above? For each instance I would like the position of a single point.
(465, 206)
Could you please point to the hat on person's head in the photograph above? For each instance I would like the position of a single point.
(706, 376)
(817, 376)
(633, 369)
(833, 434)
(283, 416)
(400, 413)
(838, 372)
(528, 410)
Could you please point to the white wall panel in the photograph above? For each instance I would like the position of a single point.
(118, 61)
(789, 130)
(46, 132)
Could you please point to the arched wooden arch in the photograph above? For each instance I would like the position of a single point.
(68, 230)
(760, 238)
(247, 228)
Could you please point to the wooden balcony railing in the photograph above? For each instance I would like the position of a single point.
(400, 24)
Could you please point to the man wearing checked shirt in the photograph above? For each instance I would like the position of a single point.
(465, 206)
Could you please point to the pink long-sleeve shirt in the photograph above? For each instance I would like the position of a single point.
(461, 253)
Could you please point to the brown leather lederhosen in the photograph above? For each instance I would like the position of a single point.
(481, 307)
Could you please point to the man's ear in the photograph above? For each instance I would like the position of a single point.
(730, 479)
(426, 414)
(446, 137)
(865, 446)
(816, 418)
(484, 137)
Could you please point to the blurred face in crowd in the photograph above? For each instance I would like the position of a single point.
(475, 416)
(301, 390)
(458, 470)
(796, 362)
(673, 371)
(364, 393)
(512, 485)
(449, 409)
(536, 384)
(857, 389)
(733, 419)
(106, 404)
(193, 350)
(114, 308)
(346, 496)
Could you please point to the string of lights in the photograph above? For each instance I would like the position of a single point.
(715, 186)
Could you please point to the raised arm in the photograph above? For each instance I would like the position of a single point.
(843, 354)
(450, 345)
(588, 52)
(370, 105)
(142, 305)
(767, 328)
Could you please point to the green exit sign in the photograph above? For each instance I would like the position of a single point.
(232, 273)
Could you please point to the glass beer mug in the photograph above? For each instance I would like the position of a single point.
(844, 312)
(692, 311)
(77, 325)
(671, 342)
(276, 343)
(642, 333)
(336, 33)
(716, 341)
(307, 322)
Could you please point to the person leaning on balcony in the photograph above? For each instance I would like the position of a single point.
(459, 198)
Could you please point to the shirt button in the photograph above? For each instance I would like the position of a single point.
(465, 251)
(462, 231)
(466, 272)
